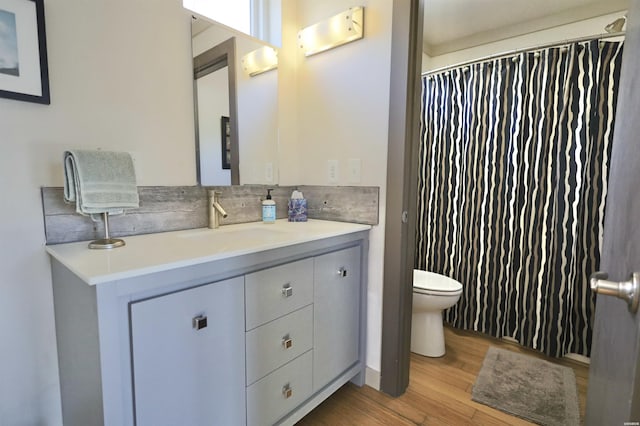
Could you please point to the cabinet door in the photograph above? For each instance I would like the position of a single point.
(187, 372)
(336, 308)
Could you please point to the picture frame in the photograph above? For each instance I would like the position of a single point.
(225, 139)
(24, 73)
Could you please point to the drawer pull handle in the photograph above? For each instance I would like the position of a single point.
(199, 322)
(287, 392)
(342, 272)
(287, 290)
(287, 342)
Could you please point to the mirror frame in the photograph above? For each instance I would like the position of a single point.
(224, 54)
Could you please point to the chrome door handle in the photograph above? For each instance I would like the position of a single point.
(626, 290)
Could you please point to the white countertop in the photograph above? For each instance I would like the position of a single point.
(145, 254)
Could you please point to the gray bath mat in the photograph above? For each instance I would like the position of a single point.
(527, 387)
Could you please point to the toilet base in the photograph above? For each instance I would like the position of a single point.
(427, 334)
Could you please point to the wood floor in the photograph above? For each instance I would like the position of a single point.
(439, 391)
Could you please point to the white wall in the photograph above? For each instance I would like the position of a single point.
(120, 75)
(565, 32)
(342, 112)
(257, 121)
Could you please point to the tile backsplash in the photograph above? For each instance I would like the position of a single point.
(173, 208)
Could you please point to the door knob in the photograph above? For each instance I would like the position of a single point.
(626, 290)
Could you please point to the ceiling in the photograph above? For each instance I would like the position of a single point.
(451, 25)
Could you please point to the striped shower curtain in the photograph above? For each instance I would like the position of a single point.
(514, 164)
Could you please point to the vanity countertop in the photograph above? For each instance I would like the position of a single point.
(145, 254)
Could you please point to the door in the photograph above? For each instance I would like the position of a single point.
(614, 377)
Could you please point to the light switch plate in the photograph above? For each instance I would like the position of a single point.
(333, 171)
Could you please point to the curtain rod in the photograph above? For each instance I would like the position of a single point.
(525, 49)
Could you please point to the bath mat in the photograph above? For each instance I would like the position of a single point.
(527, 387)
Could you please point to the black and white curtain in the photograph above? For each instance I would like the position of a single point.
(513, 181)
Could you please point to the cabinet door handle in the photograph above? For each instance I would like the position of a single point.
(287, 392)
(342, 271)
(287, 290)
(199, 322)
(287, 342)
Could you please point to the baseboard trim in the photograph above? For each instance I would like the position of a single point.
(573, 357)
(372, 378)
(578, 358)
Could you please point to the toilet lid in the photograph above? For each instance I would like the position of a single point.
(430, 281)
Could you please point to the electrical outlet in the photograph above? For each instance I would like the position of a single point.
(333, 171)
(268, 172)
(353, 166)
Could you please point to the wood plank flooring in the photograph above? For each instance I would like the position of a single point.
(439, 390)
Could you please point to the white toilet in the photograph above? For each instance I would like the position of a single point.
(432, 293)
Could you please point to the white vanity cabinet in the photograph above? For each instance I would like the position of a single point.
(258, 338)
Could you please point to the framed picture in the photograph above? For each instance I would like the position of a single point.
(24, 75)
(226, 142)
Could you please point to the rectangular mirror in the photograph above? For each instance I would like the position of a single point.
(223, 88)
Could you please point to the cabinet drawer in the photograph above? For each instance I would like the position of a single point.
(267, 400)
(275, 292)
(278, 342)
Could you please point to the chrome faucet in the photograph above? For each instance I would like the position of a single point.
(215, 209)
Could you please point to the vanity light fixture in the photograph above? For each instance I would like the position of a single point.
(340, 29)
(260, 60)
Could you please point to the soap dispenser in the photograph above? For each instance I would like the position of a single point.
(268, 209)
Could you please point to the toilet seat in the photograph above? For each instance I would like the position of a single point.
(429, 283)
(431, 292)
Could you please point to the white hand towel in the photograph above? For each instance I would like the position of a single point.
(100, 181)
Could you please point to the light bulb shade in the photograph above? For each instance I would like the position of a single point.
(260, 60)
(340, 29)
